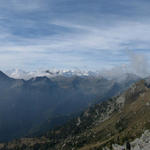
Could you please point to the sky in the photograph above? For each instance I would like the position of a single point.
(68, 34)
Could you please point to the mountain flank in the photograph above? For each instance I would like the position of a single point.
(120, 119)
(32, 107)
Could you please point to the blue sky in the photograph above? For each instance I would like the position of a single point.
(84, 34)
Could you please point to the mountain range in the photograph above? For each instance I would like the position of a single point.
(21, 74)
(31, 107)
(26, 75)
(107, 125)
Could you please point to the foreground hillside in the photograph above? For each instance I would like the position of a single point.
(120, 119)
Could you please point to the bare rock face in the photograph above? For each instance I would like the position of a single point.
(142, 143)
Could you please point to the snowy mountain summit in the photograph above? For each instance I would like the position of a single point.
(20, 74)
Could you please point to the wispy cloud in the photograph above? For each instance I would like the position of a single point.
(70, 33)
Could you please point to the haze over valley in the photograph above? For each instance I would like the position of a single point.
(26, 105)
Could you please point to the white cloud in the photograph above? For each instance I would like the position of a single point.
(115, 39)
(24, 5)
(120, 36)
(88, 33)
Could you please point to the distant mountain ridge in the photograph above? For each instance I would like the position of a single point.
(21, 74)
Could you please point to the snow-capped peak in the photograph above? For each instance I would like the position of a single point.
(20, 74)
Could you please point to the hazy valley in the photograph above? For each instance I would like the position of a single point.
(32, 106)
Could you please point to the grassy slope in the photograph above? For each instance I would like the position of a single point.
(126, 125)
